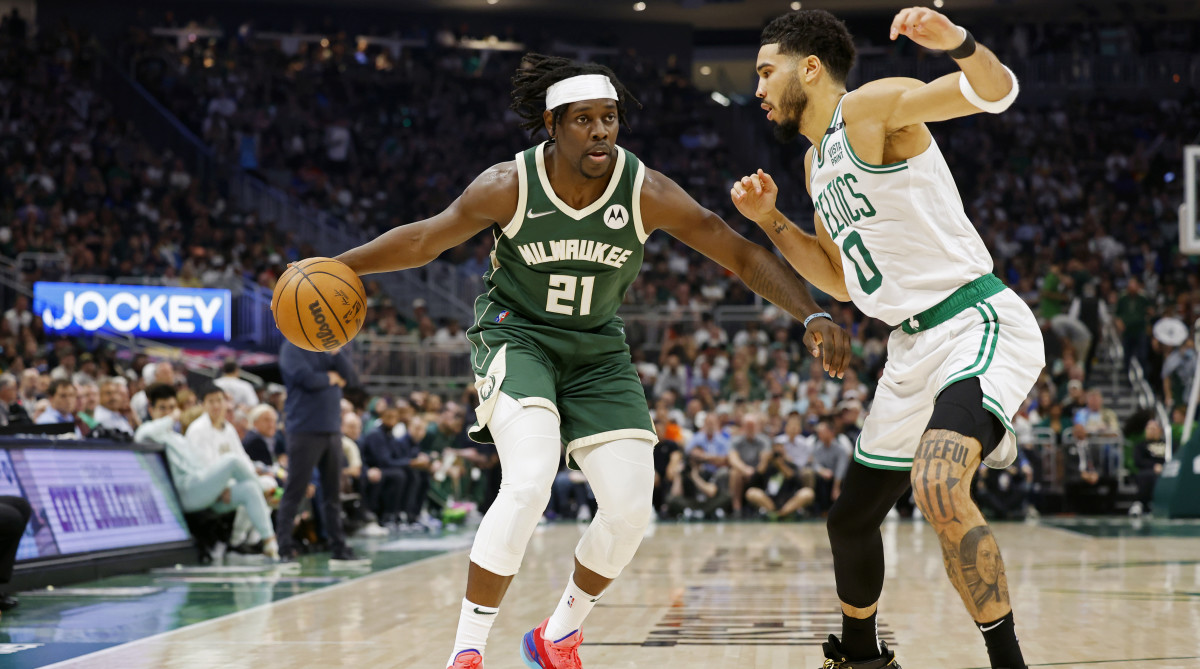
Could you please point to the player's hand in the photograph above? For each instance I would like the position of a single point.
(754, 196)
(828, 340)
(929, 28)
(336, 379)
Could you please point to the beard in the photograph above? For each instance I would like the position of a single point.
(792, 104)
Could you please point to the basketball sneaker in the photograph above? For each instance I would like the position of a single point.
(542, 653)
(467, 659)
(835, 657)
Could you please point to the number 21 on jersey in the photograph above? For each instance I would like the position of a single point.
(561, 293)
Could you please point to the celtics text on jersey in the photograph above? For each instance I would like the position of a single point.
(905, 240)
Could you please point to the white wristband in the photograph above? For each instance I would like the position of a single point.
(992, 107)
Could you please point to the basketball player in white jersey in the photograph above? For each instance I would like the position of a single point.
(892, 236)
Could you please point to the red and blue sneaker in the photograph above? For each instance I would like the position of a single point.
(542, 653)
(467, 659)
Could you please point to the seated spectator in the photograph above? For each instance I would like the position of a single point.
(88, 397)
(1005, 494)
(264, 442)
(831, 460)
(240, 390)
(666, 455)
(1096, 418)
(778, 487)
(12, 412)
(62, 406)
(709, 447)
(745, 454)
(204, 477)
(212, 430)
(570, 495)
(690, 494)
(1088, 484)
(1150, 455)
(394, 471)
(359, 519)
(113, 413)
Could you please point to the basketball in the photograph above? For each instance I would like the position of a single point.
(319, 304)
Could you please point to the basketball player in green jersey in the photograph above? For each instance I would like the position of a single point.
(549, 353)
(892, 235)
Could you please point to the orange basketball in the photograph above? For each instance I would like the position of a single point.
(319, 304)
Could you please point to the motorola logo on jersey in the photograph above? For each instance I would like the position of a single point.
(616, 216)
(143, 311)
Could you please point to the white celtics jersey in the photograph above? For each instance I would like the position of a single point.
(906, 242)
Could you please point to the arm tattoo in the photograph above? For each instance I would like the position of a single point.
(780, 226)
(779, 284)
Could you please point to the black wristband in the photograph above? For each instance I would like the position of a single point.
(964, 50)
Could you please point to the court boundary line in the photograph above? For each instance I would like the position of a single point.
(234, 614)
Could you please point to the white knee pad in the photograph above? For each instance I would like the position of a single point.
(529, 444)
(621, 474)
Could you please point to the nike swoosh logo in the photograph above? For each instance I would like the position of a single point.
(530, 214)
(990, 628)
(485, 613)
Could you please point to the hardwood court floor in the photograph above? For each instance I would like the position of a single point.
(735, 595)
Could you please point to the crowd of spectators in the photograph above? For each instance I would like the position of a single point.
(1076, 201)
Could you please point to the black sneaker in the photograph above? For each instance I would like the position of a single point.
(835, 657)
(345, 558)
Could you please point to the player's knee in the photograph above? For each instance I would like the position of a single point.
(528, 493)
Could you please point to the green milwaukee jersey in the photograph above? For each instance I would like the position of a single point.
(564, 267)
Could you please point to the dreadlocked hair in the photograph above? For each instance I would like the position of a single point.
(537, 73)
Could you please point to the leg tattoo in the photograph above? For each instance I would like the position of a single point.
(941, 477)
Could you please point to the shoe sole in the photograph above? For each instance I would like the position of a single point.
(525, 656)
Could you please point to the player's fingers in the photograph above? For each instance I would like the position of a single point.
(768, 181)
(810, 344)
(899, 24)
(844, 358)
(758, 187)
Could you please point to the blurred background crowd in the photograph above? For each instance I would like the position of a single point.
(1075, 196)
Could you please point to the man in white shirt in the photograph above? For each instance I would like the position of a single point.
(204, 478)
(213, 432)
(239, 390)
(114, 403)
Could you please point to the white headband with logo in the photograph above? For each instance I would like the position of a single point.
(580, 87)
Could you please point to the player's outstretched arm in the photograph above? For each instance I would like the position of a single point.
(984, 84)
(815, 257)
(665, 206)
(491, 198)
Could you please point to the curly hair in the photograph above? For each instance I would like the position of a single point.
(537, 73)
(814, 32)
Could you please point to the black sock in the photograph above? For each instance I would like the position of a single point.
(1001, 639)
(859, 637)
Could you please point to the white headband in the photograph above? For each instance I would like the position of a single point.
(581, 87)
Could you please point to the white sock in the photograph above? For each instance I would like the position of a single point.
(474, 624)
(271, 548)
(574, 606)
